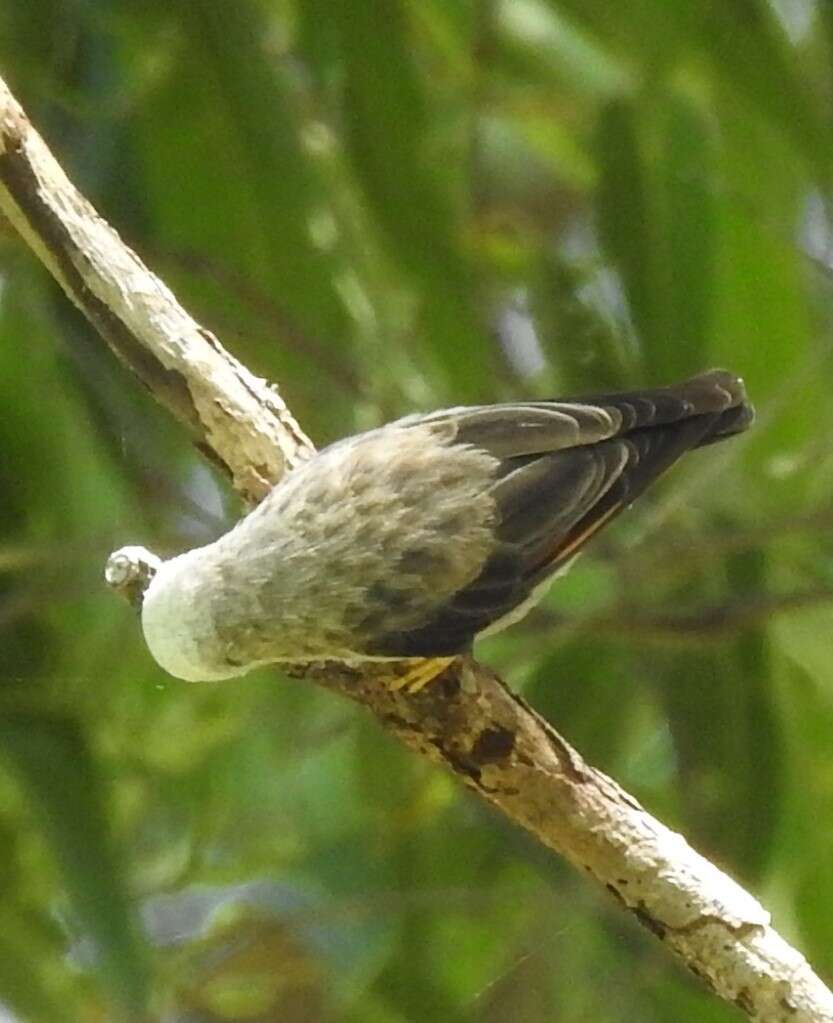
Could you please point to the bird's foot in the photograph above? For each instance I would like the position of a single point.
(419, 674)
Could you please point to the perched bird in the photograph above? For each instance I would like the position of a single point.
(409, 541)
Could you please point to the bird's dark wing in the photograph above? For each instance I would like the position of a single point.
(565, 469)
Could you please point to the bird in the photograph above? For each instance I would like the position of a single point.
(409, 541)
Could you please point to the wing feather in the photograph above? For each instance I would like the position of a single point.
(564, 470)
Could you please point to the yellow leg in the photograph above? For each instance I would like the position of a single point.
(420, 674)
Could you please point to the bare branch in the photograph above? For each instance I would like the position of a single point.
(500, 747)
(237, 419)
(466, 720)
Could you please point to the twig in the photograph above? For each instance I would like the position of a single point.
(711, 621)
(467, 720)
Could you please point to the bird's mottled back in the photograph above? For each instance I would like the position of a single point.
(367, 538)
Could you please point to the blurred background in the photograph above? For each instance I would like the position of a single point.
(386, 206)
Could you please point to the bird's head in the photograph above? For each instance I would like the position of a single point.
(129, 572)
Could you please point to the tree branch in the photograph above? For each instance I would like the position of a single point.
(467, 720)
(234, 417)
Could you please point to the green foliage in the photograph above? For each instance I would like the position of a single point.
(356, 197)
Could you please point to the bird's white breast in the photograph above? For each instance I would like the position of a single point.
(176, 620)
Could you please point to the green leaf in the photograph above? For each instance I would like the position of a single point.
(750, 51)
(728, 734)
(586, 685)
(23, 991)
(688, 204)
(223, 130)
(763, 324)
(387, 133)
(625, 210)
(53, 763)
(650, 32)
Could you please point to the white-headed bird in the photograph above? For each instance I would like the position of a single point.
(409, 541)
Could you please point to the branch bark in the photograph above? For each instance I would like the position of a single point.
(236, 419)
(467, 720)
